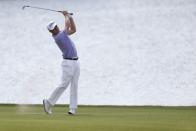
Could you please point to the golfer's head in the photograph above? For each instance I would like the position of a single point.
(53, 28)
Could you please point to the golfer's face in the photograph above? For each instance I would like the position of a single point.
(55, 30)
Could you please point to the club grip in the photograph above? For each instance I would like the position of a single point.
(70, 13)
(62, 12)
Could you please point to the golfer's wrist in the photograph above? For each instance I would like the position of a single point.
(68, 16)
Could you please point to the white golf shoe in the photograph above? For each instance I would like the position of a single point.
(47, 106)
(72, 111)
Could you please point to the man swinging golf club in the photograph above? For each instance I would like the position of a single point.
(70, 64)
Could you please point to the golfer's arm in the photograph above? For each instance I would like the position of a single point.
(72, 27)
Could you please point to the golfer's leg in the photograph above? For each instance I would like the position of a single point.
(57, 93)
(74, 88)
(66, 78)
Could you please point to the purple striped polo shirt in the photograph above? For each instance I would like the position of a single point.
(65, 44)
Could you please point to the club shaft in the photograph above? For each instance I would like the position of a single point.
(46, 9)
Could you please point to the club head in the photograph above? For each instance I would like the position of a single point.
(24, 6)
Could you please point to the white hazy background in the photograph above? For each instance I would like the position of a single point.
(132, 52)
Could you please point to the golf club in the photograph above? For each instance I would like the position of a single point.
(25, 6)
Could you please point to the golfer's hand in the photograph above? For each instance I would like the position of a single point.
(65, 13)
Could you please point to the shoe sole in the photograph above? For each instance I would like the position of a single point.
(69, 113)
(44, 107)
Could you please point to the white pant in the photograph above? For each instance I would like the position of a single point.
(71, 72)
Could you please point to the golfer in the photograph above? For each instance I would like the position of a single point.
(70, 65)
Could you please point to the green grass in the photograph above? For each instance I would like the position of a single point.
(89, 118)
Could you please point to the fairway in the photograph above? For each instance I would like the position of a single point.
(98, 118)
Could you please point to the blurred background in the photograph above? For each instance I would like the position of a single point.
(131, 52)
